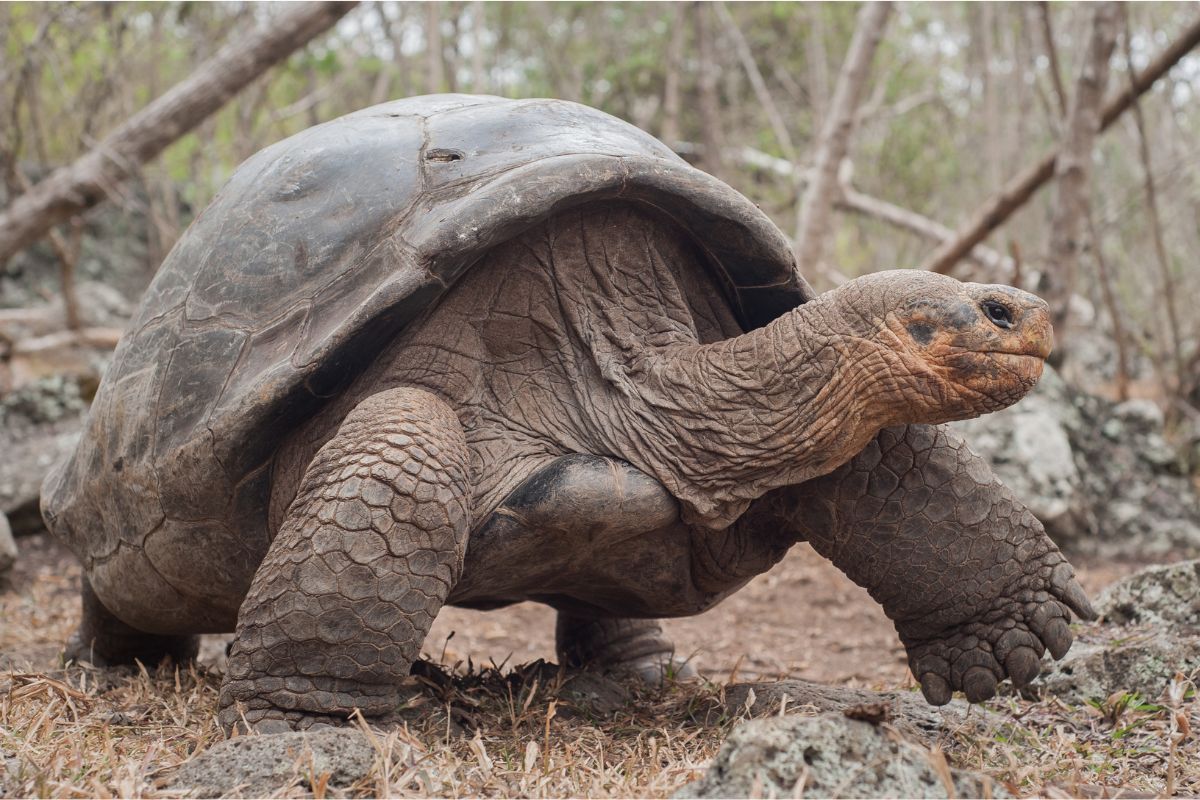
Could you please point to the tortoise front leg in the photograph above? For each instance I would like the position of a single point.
(365, 557)
(976, 588)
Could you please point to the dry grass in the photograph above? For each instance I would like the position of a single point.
(89, 733)
(1124, 742)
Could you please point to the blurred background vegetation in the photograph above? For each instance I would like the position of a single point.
(960, 97)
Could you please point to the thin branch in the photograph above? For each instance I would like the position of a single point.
(1052, 55)
(908, 220)
(742, 47)
(850, 199)
(672, 80)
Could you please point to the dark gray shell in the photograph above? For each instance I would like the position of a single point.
(318, 250)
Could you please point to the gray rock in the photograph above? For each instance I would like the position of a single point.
(1141, 663)
(1030, 449)
(39, 424)
(256, 766)
(8, 547)
(29, 453)
(829, 756)
(1168, 595)
(42, 402)
(1099, 475)
(906, 711)
(1091, 359)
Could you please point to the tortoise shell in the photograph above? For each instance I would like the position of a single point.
(320, 249)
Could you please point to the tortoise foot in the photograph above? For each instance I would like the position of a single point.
(267, 719)
(1006, 641)
(657, 671)
(635, 647)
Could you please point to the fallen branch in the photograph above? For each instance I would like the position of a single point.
(993, 213)
(853, 200)
(100, 338)
(78, 186)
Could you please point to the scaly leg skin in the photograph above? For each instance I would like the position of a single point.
(633, 646)
(104, 641)
(976, 588)
(365, 557)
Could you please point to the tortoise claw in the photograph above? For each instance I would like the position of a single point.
(979, 684)
(1057, 636)
(1064, 584)
(936, 690)
(1077, 601)
(1022, 665)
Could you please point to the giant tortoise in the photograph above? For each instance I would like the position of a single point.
(475, 351)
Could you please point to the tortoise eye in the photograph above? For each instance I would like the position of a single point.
(998, 313)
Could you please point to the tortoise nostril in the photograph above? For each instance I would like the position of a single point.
(997, 313)
(443, 155)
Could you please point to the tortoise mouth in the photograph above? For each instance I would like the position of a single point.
(997, 370)
(1022, 362)
(1009, 369)
(1034, 347)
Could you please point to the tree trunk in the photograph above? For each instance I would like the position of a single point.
(670, 132)
(1166, 280)
(815, 212)
(710, 103)
(479, 81)
(1114, 310)
(435, 73)
(1014, 194)
(818, 65)
(983, 30)
(1073, 167)
(74, 188)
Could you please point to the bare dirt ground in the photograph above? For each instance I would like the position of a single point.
(83, 732)
(803, 619)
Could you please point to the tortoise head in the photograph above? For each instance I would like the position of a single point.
(959, 349)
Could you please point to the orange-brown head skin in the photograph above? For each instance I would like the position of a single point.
(962, 349)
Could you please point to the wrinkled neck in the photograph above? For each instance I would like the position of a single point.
(773, 407)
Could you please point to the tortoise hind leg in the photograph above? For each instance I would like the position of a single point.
(636, 646)
(104, 640)
(362, 563)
